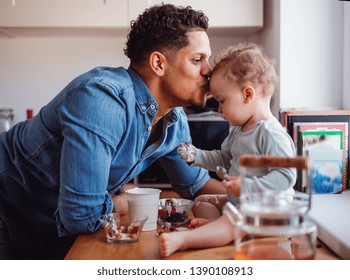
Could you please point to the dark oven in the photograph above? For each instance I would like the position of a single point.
(208, 131)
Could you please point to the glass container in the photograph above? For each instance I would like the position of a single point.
(6, 119)
(272, 224)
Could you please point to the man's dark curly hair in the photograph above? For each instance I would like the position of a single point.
(162, 28)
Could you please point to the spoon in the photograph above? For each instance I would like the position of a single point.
(221, 172)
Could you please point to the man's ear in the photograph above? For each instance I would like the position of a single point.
(249, 94)
(157, 63)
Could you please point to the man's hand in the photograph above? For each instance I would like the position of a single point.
(187, 152)
(120, 201)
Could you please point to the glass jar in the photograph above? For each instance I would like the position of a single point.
(6, 119)
(271, 224)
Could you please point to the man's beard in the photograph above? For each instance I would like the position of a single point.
(210, 104)
(198, 106)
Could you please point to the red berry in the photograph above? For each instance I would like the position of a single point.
(163, 214)
(134, 230)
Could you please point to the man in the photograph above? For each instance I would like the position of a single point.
(69, 164)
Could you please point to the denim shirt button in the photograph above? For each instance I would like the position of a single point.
(143, 108)
(149, 128)
(153, 106)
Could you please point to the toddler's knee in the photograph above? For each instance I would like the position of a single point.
(200, 198)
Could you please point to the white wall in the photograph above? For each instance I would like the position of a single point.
(269, 37)
(346, 92)
(311, 53)
(34, 69)
(304, 36)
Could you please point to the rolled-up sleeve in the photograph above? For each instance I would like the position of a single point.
(78, 219)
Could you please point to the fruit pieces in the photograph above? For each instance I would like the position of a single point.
(171, 213)
(123, 232)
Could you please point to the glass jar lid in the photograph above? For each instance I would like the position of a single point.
(6, 113)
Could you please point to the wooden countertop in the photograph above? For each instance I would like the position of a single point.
(95, 247)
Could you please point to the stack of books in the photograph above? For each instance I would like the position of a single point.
(322, 136)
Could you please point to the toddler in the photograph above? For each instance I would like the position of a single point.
(243, 81)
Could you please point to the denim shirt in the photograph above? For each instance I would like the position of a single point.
(61, 167)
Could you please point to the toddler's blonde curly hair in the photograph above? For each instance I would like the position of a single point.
(248, 63)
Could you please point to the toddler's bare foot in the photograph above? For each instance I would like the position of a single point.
(197, 222)
(171, 242)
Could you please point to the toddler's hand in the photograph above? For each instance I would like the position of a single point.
(233, 183)
(187, 152)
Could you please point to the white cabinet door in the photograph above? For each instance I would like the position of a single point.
(63, 13)
(221, 13)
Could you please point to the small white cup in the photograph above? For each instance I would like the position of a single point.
(145, 201)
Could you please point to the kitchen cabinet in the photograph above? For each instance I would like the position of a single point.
(238, 14)
(63, 13)
(119, 13)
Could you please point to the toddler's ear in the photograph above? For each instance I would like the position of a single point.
(249, 94)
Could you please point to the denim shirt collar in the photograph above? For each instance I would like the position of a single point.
(146, 101)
